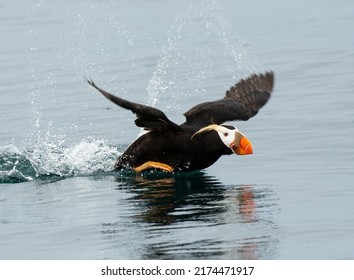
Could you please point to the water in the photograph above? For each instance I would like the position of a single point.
(60, 199)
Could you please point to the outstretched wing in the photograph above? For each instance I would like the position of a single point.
(147, 117)
(241, 102)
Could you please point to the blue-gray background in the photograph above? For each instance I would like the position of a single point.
(292, 199)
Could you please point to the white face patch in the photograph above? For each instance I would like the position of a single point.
(227, 134)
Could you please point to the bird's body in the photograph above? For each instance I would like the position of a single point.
(202, 139)
(175, 149)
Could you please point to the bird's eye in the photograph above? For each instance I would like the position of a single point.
(226, 134)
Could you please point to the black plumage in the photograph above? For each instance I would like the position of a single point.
(173, 145)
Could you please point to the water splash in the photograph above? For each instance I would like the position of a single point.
(14, 166)
(186, 66)
(50, 158)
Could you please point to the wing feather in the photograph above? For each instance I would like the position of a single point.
(241, 102)
(147, 117)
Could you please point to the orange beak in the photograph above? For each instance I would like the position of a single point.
(241, 145)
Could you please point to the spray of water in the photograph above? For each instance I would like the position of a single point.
(88, 157)
(196, 41)
(45, 151)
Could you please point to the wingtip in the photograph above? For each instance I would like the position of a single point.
(270, 77)
(264, 81)
(90, 81)
(265, 75)
(270, 74)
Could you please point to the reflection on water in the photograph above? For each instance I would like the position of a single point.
(165, 199)
(193, 215)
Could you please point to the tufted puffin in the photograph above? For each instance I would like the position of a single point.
(203, 138)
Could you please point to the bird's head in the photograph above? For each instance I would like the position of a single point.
(231, 137)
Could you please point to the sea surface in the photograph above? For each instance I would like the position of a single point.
(59, 197)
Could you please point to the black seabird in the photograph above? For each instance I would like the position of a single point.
(203, 138)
